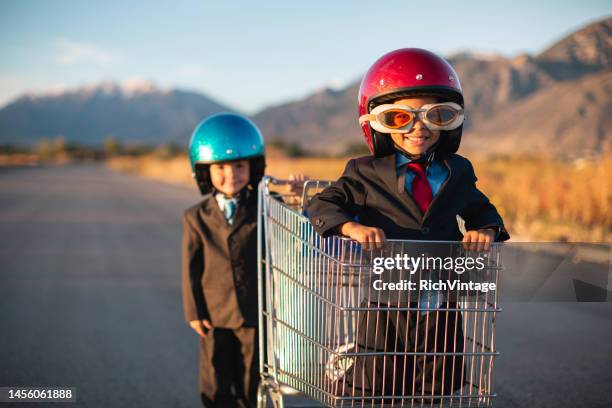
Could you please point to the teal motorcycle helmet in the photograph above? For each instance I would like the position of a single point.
(226, 137)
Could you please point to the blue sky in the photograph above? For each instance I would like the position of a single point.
(256, 54)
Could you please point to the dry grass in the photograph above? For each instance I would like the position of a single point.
(18, 159)
(177, 169)
(539, 199)
(549, 199)
(315, 168)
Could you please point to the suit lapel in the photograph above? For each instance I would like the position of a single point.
(238, 218)
(385, 168)
(446, 185)
(210, 211)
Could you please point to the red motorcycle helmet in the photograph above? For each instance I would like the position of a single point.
(403, 73)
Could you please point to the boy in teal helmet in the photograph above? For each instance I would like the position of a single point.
(219, 257)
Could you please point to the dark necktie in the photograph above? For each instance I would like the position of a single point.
(421, 190)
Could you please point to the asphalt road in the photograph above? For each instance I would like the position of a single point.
(90, 298)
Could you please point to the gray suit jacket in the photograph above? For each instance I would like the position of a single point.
(219, 264)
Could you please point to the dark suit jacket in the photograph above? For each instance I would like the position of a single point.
(219, 264)
(371, 190)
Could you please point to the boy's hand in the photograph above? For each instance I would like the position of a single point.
(363, 234)
(202, 327)
(478, 240)
(296, 183)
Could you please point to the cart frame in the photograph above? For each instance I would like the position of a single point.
(314, 298)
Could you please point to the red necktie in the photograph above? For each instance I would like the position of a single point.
(421, 190)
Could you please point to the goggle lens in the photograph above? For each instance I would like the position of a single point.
(441, 115)
(396, 119)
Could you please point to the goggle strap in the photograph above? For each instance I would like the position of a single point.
(366, 118)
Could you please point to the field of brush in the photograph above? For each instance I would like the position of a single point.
(539, 199)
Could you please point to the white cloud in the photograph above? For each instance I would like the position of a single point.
(336, 83)
(10, 88)
(13, 86)
(74, 52)
(191, 71)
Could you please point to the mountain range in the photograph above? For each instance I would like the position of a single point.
(89, 115)
(559, 100)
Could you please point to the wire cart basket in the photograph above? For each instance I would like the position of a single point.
(328, 331)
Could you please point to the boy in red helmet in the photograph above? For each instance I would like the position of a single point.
(413, 187)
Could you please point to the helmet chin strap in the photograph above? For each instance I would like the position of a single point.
(426, 157)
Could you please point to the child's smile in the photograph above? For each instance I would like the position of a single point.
(418, 139)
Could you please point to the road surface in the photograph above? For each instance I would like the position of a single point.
(90, 298)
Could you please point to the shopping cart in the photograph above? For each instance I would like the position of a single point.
(325, 331)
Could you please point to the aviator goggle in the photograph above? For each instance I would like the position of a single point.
(392, 118)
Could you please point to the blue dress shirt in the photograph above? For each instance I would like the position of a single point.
(436, 173)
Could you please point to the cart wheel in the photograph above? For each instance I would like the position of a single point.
(275, 396)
